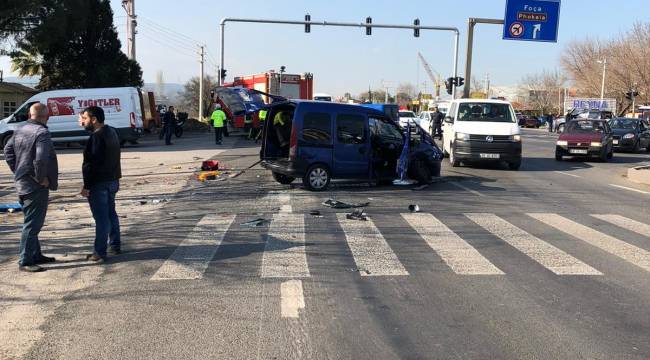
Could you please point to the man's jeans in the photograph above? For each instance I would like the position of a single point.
(34, 209)
(107, 224)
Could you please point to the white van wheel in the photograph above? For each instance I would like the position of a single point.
(452, 159)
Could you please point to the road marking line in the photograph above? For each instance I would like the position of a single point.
(567, 174)
(276, 200)
(625, 223)
(466, 188)
(292, 298)
(542, 252)
(284, 253)
(630, 189)
(192, 256)
(461, 257)
(370, 251)
(610, 244)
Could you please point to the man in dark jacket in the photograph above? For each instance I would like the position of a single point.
(436, 123)
(101, 173)
(169, 123)
(31, 157)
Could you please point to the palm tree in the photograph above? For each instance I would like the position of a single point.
(27, 62)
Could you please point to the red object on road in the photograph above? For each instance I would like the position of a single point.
(210, 165)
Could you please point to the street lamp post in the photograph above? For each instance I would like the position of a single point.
(282, 68)
(602, 84)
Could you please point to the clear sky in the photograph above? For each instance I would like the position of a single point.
(345, 59)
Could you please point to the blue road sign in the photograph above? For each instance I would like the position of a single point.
(531, 20)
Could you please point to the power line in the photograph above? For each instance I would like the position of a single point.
(167, 38)
(168, 46)
(171, 32)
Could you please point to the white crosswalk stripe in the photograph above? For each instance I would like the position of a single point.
(370, 251)
(625, 223)
(192, 256)
(284, 253)
(610, 244)
(461, 257)
(542, 252)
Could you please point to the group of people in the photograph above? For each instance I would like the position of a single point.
(31, 156)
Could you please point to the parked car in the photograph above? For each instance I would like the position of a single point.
(406, 117)
(630, 134)
(319, 141)
(586, 138)
(121, 107)
(482, 130)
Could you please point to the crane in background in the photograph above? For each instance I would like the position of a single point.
(436, 80)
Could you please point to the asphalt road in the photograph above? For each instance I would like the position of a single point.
(548, 262)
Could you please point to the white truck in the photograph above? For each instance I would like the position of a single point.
(122, 107)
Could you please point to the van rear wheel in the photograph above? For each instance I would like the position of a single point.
(283, 179)
(5, 140)
(317, 178)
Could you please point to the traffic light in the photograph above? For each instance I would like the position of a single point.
(307, 26)
(460, 81)
(449, 84)
(368, 28)
(223, 73)
(416, 31)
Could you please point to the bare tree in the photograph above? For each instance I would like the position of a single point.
(628, 65)
(476, 85)
(542, 91)
(190, 95)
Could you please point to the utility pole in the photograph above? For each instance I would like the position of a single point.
(202, 54)
(487, 85)
(131, 23)
(470, 42)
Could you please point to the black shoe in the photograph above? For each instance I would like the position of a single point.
(31, 268)
(114, 251)
(95, 258)
(44, 260)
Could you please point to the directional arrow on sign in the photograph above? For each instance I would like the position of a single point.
(536, 29)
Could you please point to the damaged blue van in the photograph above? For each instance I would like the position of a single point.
(320, 141)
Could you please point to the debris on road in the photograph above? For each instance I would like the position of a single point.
(210, 165)
(10, 207)
(256, 223)
(414, 208)
(404, 182)
(335, 204)
(177, 167)
(208, 175)
(357, 215)
(315, 213)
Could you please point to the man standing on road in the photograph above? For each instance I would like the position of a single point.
(436, 123)
(218, 118)
(169, 123)
(31, 157)
(101, 173)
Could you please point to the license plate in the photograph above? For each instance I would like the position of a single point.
(615, 142)
(489, 156)
(577, 151)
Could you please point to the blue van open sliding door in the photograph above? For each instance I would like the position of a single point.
(351, 148)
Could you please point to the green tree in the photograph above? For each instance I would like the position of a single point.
(79, 47)
(26, 62)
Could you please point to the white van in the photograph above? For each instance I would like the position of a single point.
(122, 107)
(482, 130)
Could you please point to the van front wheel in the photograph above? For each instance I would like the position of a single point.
(317, 178)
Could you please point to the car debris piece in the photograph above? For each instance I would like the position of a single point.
(210, 165)
(208, 175)
(356, 215)
(314, 213)
(343, 205)
(256, 223)
(11, 207)
(414, 208)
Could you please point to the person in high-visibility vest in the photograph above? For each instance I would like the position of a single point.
(282, 126)
(261, 115)
(218, 118)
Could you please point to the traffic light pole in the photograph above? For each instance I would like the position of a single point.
(367, 25)
(470, 42)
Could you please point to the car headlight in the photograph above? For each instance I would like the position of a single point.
(596, 144)
(562, 143)
(462, 136)
(628, 136)
(515, 138)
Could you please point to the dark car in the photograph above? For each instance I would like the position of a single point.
(585, 138)
(630, 134)
(320, 141)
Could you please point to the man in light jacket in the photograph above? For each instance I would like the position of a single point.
(31, 157)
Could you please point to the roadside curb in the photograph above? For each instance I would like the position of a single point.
(639, 174)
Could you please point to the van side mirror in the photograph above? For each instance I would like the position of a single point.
(449, 119)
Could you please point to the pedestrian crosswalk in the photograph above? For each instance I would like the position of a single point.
(288, 240)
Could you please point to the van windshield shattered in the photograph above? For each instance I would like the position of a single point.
(488, 112)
